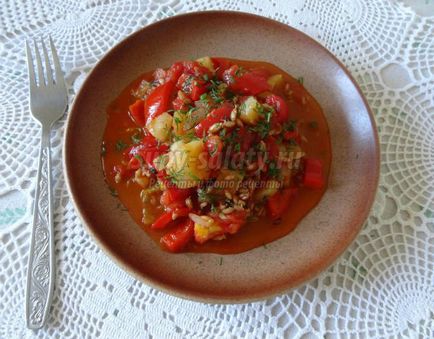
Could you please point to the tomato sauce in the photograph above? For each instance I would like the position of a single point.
(316, 144)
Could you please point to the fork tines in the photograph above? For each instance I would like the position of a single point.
(48, 80)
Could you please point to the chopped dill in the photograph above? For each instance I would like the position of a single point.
(120, 145)
(136, 138)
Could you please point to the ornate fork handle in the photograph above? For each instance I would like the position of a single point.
(40, 274)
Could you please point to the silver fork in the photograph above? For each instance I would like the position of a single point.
(48, 101)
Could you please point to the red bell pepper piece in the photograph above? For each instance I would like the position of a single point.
(164, 179)
(313, 173)
(194, 68)
(184, 82)
(174, 72)
(162, 221)
(197, 89)
(246, 138)
(288, 135)
(159, 75)
(137, 112)
(220, 65)
(278, 203)
(179, 104)
(177, 239)
(279, 104)
(179, 210)
(261, 72)
(149, 141)
(245, 82)
(124, 172)
(233, 221)
(191, 85)
(148, 153)
(134, 163)
(250, 83)
(158, 101)
(175, 195)
(216, 115)
(176, 210)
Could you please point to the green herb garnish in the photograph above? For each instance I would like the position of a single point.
(120, 145)
(216, 91)
(263, 111)
(229, 95)
(177, 121)
(300, 80)
(191, 136)
(194, 176)
(237, 147)
(214, 150)
(176, 137)
(216, 96)
(313, 124)
(139, 157)
(290, 125)
(273, 170)
(186, 87)
(231, 138)
(239, 71)
(176, 176)
(268, 116)
(203, 196)
(262, 128)
(192, 109)
(136, 138)
(215, 82)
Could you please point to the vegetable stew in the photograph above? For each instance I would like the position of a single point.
(216, 155)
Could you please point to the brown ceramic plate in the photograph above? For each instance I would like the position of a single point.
(319, 238)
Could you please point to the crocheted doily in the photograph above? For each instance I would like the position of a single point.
(383, 286)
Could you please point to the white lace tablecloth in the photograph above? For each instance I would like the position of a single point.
(384, 284)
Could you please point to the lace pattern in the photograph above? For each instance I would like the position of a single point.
(383, 286)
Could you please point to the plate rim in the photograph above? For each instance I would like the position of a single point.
(170, 288)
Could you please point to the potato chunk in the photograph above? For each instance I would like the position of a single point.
(206, 62)
(249, 111)
(204, 232)
(160, 127)
(275, 81)
(178, 122)
(187, 163)
(183, 122)
(271, 188)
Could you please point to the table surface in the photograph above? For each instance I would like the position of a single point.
(383, 286)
